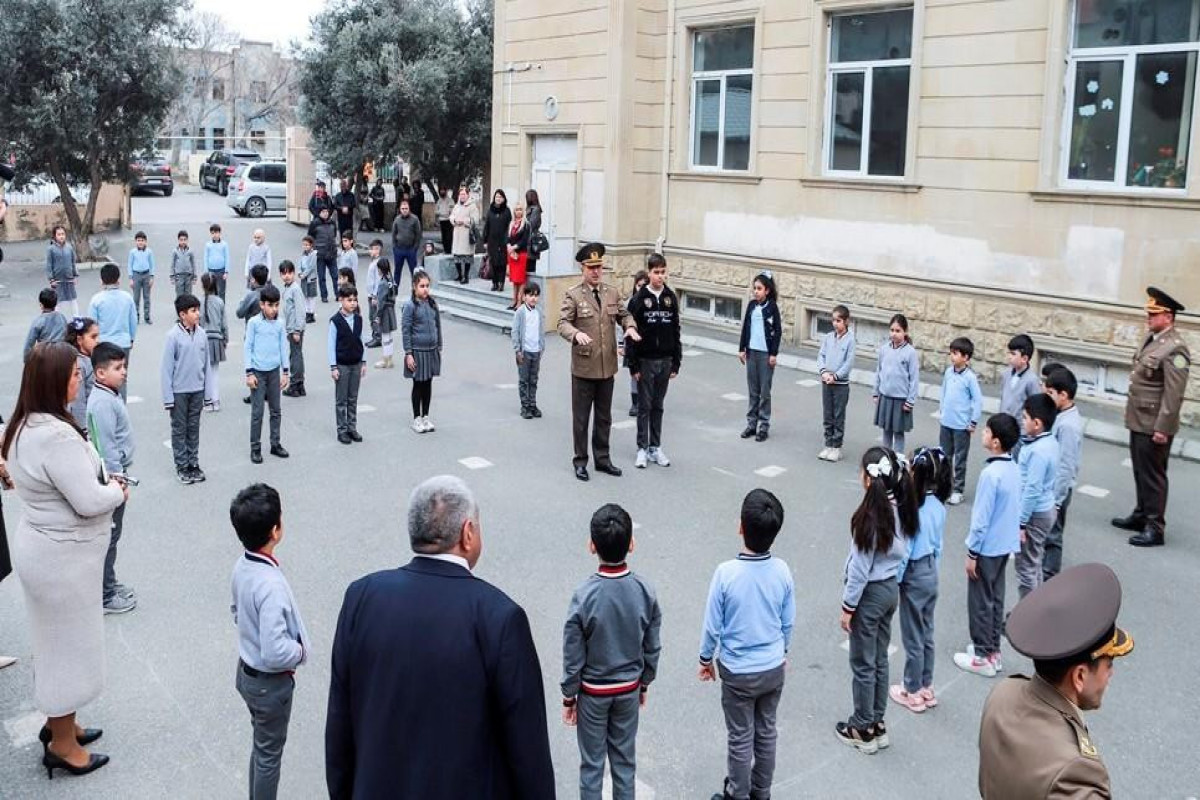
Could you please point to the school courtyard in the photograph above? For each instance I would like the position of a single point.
(175, 727)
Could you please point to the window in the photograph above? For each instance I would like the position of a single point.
(258, 91)
(276, 173)
(1097, 378)
(202, 139)
(1130, 82)
(256, 173)
(867, 93)
(258, 140)
(218, 88)
(711, 308)
(198, 87)
(869, 334)
(218, 136)
(722, 88)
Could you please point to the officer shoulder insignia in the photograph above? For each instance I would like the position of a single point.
(1086, 748)
(1180, 361)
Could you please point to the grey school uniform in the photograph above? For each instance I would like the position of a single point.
(114, 438)
(60, 268)
(610, 655)
(212, 319)
(421, 336)
(385, 307)
(79, 408)
(49, 326)
(183, 270)
(897, 377)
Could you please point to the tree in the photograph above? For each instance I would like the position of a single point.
(87, 86)
(204, 55)
(410, 78)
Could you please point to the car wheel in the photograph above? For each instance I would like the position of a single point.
(167, 191)
(222, 187)
(256, 207)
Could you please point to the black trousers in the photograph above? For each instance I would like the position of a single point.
(1150, 479)
(591, 398)
(652, 391)
(447, 228)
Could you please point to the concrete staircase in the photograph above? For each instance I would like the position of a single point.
(475, 302)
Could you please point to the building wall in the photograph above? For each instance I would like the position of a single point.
(978, 239)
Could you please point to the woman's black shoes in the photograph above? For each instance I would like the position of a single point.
(89, 735)
(52, 762)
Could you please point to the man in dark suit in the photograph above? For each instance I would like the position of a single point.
(436, 689)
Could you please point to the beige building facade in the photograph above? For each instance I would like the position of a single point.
(986, 167)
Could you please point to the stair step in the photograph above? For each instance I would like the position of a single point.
(489, 319)
(472, 301)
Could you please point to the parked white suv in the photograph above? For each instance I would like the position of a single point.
(258, 188)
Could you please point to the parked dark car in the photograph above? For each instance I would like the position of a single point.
(151, 173)
(217, 171)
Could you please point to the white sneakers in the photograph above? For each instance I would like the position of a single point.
(640, 461)
(830, 454)
(988, 667)
(653, 455)
(423, 425)
(955, 499)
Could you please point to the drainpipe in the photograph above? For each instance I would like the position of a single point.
(664, 186)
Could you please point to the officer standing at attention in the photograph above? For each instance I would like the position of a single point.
(1156, 387)
(586, 320)
(1033, 742)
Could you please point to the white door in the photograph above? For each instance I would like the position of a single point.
(554, 178)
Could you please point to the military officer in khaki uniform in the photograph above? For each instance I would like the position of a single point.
(1033, 742)
(586, 319)
(1156, 387)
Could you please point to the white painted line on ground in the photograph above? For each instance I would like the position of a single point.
(725, 472)
(475, 462)
(771, 471)
(23, 731)
(624, 424)
(807, 383)
(133, 399)
(637, 526)
(363, 408)
(1092, 491)
(506, 386)
(1127, 463)
(733, 397)
(935, 415)
(167, 444)
(845, 645)
(693, 352)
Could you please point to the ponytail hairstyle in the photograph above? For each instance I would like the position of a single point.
(384, 268)
(767, 279)
(902, 321)
(873, 526)
(930, 474)
(77, 328)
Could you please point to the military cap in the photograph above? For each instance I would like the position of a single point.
(591, 254)
(7, 173)
(1158, 301)
(1072, 614)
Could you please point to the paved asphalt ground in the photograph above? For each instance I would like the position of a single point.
(175, 727)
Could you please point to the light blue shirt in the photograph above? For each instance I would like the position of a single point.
(837, 355)
(758, 334)
(750, 613)
(216, 256)
(115, 315)
(996, 515)
(931, 525)
(962, 401)
(266, 345)
(141, 262)
(1038, 461)
(1068, 430)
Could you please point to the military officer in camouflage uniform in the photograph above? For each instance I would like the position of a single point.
(1156, 387)
(1033, 742)
(586, 319)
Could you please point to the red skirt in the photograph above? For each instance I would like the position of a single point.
(516, 267)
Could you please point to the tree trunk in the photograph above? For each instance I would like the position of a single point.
(77, 229)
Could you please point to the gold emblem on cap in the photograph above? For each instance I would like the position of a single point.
(594, 255)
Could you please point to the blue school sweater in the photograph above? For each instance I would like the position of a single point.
(962, 401)
(931, 525)
(749, 615)
(996, 515)
(1038, 461)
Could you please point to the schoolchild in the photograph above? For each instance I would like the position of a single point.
(995, 535)
(216, 259)
(61, 269)
(529, 342)
(640, 279)
(113, 310)
(345, 277)
(897, 379)
(421, 336)
(1061, 386)
(748, 650)
(1018, 382)
(611, 646)
(918, 578)
(83, 334)
(961, 408)
(835, 360)
(108, 426)
(308, 278)
(880, 530)
(49, 325)
(272, 640)
(347, 363)
(291, 312)
(762, 331)
(185, 365)
(258, 252)
(376, 250)
(212, 319)
(141, 275)
(266, 353)
(1038, 463)
(183, 265)
(348, 257)
(384, 305)
(248, 308)
(655, 359)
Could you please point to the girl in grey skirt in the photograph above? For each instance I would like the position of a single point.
(212, 319)
(61, 271)
(897, 377)
(421, 336)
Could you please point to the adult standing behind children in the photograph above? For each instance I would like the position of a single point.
(323, 231)
(654, 359)
(835, 360)
(1157, 384)
(533, 218)
(465, 220)
(406, 239)
(461, 715)
(442, 210)
(58, 551)
(495, 237)
(377, 196)
(61, 270)
(345, 202)
(517, 249)
(115, 313)
(586, 318)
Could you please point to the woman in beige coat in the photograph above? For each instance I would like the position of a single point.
(464, 219)
(58, 550)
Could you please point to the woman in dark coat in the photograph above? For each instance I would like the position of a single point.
(495, 237)
(533, 218)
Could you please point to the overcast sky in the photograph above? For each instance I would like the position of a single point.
(265, 20)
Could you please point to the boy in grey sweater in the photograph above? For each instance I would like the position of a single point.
(48, 326)
(184, 370)
(610, 656)
(108, 425)
(1019, 382)
(183, 266)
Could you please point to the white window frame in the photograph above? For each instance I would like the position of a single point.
(722, 75)
(1128, 55)
(1104, 367)
(710, 316)
(833, 69)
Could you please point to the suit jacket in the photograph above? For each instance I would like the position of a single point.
(1033, 744)
(580, 312)
(436, 691)
(1157, 384)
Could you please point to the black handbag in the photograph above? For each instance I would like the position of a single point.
(539, 244)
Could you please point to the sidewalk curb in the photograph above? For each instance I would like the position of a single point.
(1107, 432)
